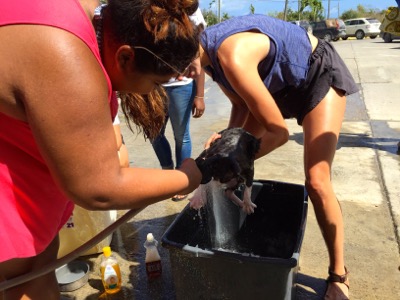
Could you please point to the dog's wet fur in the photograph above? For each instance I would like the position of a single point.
(230, 161)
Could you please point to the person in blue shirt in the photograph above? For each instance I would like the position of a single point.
(272, 70)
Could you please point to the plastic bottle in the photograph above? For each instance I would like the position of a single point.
(110, 272)
(153, 259)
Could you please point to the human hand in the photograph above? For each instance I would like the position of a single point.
(198, 106)
(189, 167)
(194, 69)
(214, 136)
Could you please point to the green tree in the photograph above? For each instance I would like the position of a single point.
(363, 12)
(291, 15)
(349, 14)
(210, 17)
(309, 10)
(361, 9)
(315, 7)
(225, 16)
(252, 9)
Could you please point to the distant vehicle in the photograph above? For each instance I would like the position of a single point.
(329, 29)
(303, 24)
(362, 27)
(390, 27)
(389, 37)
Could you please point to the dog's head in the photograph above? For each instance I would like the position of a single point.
(229, 157)
(218, 167)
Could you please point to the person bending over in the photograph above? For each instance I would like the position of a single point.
(272, 70)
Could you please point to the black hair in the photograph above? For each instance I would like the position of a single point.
(162, 26)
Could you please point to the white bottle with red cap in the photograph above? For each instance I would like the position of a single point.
(153, 259)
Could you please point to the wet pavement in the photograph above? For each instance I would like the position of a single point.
(365, 176)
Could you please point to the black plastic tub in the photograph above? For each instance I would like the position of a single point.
(259, 258)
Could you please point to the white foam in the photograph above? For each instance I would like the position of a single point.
(223, 215)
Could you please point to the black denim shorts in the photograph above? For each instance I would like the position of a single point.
(327, 69)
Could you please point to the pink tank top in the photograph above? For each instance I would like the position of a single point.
(33, 208)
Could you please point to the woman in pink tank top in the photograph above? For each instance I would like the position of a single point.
(60, 62)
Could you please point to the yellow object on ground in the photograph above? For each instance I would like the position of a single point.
(81, 227)
(391, 22)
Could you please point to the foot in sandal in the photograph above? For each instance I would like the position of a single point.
(338, 286)
(177, 198)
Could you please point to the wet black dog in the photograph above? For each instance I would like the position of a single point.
(230, 161)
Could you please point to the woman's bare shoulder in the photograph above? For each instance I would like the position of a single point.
(244, 49)
(39, 60)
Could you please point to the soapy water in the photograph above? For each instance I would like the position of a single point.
(223, 216)
(223, 226)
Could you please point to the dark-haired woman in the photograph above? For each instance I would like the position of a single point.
(272, 70)
(57, 144)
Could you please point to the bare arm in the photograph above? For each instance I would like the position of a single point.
(66, 105)
(198, 102)
(239, 110)
(123, 154)
(239, 56)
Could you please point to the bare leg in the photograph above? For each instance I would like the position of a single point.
(321, 131)
(44, 287)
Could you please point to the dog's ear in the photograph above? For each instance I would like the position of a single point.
(202, 155)
(256, 146)
(207, 167)
(252, 145)
(204, 168)
(232, 162)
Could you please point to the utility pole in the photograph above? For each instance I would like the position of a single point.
(219, 11)
(329, 9)
(285, 12)
(298, 9)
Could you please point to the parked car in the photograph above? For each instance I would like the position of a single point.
(303, 24)
(362, 27)
(329, 29)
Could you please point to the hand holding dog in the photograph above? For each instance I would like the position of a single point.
(190, 169)
(211, 139)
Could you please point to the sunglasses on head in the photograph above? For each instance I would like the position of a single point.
(164, 62)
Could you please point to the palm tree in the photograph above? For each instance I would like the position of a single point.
(252, 9)
(315, 6)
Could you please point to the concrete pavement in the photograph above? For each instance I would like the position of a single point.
(366, 174)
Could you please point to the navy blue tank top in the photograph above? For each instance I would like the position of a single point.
(288, 61)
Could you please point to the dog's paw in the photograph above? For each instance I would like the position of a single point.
(248, 208)
(197, 201)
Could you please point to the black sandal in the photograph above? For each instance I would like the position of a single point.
(333, 277)
(177, 198)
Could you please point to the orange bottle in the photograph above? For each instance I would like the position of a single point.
(110, 272)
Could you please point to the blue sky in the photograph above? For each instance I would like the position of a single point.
(241, 7)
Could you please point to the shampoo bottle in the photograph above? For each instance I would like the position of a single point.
(153, 260)
(110, 272)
